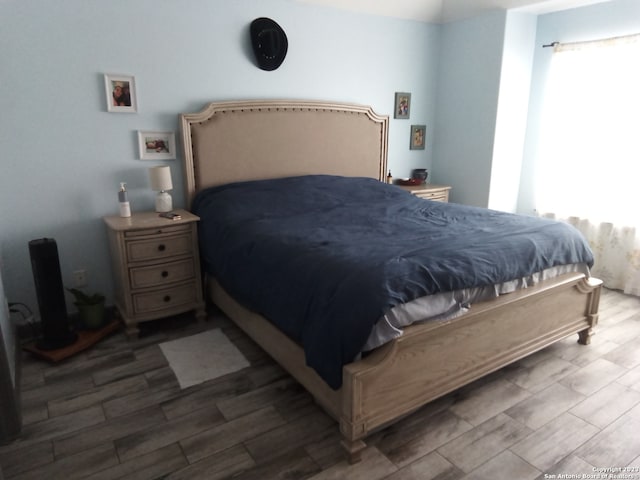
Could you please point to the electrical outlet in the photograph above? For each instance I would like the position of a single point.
(80, 278)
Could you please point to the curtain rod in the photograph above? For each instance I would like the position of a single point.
(586, 42)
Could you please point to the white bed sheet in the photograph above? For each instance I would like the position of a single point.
(449, 305)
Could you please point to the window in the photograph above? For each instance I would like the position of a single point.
(588, 164)
(589, 153)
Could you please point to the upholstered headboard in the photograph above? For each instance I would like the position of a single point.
(250, 140)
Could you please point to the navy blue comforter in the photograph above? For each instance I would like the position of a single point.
(324, 257)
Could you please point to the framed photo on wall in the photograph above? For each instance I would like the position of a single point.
(121, 93)
(418, 137)
(157, 145)
(402, 105)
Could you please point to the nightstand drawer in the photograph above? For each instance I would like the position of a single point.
(172, 272)
(150, 232)
(156, 248)
(437, 193)
(165, 298)
(435, 196)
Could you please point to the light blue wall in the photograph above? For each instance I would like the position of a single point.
(610, 19)
(63, 155)
(511, 119)
(468, 89)
(483, 87)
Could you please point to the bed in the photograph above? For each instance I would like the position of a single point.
(251, 143)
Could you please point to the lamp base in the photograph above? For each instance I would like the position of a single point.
(164, 202)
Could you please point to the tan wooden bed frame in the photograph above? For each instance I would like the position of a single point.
(235, 141)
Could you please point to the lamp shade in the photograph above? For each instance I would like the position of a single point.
(160, 178)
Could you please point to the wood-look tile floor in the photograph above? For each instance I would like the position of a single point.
(117, 411)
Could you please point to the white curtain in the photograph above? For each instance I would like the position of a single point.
(588, 165)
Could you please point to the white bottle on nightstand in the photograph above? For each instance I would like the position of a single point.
(123, 199)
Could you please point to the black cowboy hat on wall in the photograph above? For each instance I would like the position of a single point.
(269, 43)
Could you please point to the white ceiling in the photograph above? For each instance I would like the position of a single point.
(444, 11)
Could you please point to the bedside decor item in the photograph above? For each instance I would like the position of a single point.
(402, 105)
(420, 174)
(123, 201)
(418, 133)
(161, 182)
(121, 93)
(269, 43)
(90, 308)
(408, 182)
(170, 215)
(157, 145)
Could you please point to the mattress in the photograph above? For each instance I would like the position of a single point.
(449, 305)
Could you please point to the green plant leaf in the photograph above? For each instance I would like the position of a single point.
(82, 298)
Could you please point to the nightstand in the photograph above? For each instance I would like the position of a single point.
(156, 267)
(439, 193)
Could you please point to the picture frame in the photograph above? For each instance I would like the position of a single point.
(418, 137)
(156, 145)
(120, 92)
(402, 105)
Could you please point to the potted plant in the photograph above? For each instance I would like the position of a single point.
(90, 308)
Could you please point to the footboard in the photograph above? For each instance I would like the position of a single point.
(435, 358)
(432, 359)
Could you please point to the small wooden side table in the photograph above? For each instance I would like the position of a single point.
(156, 266)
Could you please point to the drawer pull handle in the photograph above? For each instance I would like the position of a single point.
(164, 274)
(162, 247)
(167, 298)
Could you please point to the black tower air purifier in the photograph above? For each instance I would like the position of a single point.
(53, 310)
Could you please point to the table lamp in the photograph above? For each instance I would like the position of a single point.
(161, 182)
